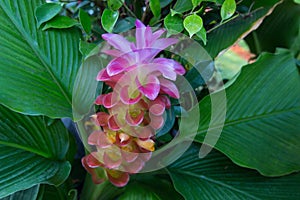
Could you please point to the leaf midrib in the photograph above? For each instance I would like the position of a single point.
(26, 148)
(247, 119)
(39, 54)
(193, 175)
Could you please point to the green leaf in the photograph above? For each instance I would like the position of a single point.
(28, 194)
(297, 1)
(196, 2)
(124, 25)
(193, 24)
(229, 33)
(155, 7)
(37, 68)
(182, 6)
(109, 19)
(85, 47)
(50, 192)
(228, 9)
(136, 191)
(229, 64)
(85, 87)
(30, 152)
(164, 3)
(60, 22)
(216, 177)
(85, 21)
(115, 4)
(173, 24)
(261, 129)
(202, 35)
(47, 11)
(285, 22)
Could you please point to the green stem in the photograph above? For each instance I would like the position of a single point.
(256, 43)
(128, 9)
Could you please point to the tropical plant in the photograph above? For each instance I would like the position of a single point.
(155, 99)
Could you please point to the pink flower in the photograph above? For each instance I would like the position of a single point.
(141, 86)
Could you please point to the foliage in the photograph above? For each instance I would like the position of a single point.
(49, 61)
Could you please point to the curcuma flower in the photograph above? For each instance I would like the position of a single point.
(141, 89)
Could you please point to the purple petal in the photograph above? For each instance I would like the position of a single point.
(94, 137)
(157, 34)
(103, 75)
(157, 109)
(109, 100)
(169, 88)
(117, 41)
(129, 156)
(156, 121)
(113, 52)
(103, 141)
(92, 161)
(151, 88)
(148, 36)
(162, 44)
(177, 67)
(95, 177)
(112, 124)
(118, 178)
(134, 121)
(125, 97)
(140, 34)
(116, 66)
(135, 166)
(165, 100)
(145, 156)
(112, 159)
(144, 132)
(99, 99)
(102, 118)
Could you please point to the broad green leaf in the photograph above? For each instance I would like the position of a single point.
(285, 22)
(115, 4)
(29, 194)
(297, 1)
(85, 47)
(109, 19)
(136, 191)
(85, 21)
(47, 11)
(261, 129)
(229, 64)
(196, 2)
(30, 152)
(202, 35)
(219, 39)
(37, 68)
(50, 192)
(182, 6)
(86, 86)
(193, 24)
(105, 190)
(173, 24)
(155, 7)
(60, 22)
(228, 9)
(216, 177)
